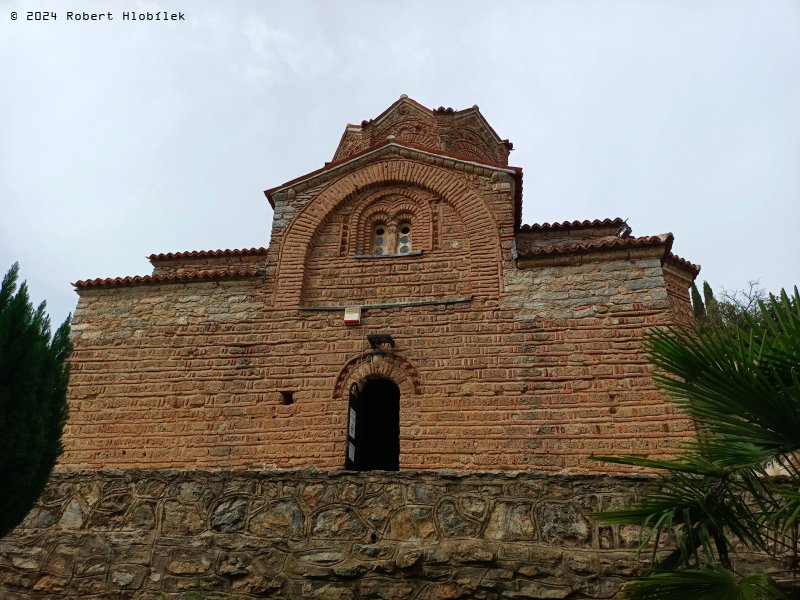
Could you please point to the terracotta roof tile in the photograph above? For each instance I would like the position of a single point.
(208, 253)
(176, 278)
(573, 224)
(630, 242)
(689, 266)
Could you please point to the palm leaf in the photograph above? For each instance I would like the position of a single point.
(710, 583)
(697, 512)
(741, 386)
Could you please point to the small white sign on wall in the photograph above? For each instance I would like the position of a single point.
(351, 430)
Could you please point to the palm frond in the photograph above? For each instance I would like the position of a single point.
(696, 512)
(739, 386)
(709, 583)
(685, 464)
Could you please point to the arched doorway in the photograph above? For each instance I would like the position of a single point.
(373, 431)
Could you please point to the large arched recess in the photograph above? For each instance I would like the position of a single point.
(450, 185)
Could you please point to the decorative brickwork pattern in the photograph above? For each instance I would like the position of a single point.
(481, 245)
(464, 133)
(362, 367)
(533, 237)
(678, 278)
(388, 205)
(189, 375)
(180, 263)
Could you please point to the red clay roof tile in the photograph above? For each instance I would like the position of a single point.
(176, 278)
(593, 246)
(573, 224)
(682, 262)
(207, 253)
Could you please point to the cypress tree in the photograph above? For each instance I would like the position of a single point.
(33, 399)
(712, 308)
(697, 304)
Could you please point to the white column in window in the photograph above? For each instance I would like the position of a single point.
(391, 239)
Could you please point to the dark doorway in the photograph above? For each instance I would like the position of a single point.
(373, 432)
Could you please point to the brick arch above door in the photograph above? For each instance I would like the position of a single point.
(393, 366)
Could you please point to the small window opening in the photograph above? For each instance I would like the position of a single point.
(390, 239)
(287, 398)
(379, 240)
(404, 239)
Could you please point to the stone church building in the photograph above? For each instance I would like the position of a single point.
(398, 398)
(401, 317)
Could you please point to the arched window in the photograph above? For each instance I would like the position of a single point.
(373, 426)
(379, 246)
(390, 224)
(404, 237)
(391, 237)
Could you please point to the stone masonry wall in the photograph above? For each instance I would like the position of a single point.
(306, 534)
(503, 361)
(189, 375)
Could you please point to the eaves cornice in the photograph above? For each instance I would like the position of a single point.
(386, 148)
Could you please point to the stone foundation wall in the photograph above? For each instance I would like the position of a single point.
(306, 534)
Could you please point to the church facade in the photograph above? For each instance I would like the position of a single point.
(401, 318)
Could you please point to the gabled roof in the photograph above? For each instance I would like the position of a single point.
(465, 132)
(332, 166)
(442, 132)
(403, 99)
(474, 109)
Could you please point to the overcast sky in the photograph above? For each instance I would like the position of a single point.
(119, 139)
